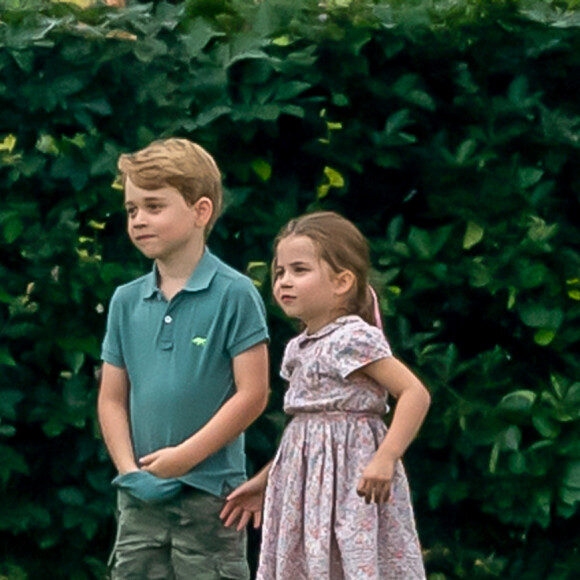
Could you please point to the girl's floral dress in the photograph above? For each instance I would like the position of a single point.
(316, 527)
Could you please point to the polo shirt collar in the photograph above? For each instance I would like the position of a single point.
(199, 280)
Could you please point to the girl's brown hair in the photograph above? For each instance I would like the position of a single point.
(177, 163)
(342, 246)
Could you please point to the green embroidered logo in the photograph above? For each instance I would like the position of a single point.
(199, 340)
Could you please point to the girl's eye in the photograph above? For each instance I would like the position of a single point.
(154, 207)
(131, 211)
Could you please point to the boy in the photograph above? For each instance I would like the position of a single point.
(185, 371)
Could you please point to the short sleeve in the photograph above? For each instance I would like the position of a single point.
(288, 361)
(359, 345)
(246, 317)
(111, 351)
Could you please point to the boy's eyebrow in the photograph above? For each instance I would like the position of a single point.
(146, 199)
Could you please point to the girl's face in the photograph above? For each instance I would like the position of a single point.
(304, 285)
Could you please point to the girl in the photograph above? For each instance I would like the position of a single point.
(336, 451)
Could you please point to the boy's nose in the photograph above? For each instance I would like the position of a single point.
(137, 220)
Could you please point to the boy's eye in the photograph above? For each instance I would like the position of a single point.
(131, 211)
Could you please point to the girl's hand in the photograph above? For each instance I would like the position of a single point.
(167, 462)
(244, 504)
(375, 483)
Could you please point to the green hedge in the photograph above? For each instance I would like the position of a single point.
(449, 133)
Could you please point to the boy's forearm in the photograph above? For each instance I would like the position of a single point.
(116, 433)
(234, 417)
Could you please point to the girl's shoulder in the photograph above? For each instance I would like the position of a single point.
(344, 329)
(353, 327)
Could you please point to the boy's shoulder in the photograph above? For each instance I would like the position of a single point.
(137, 287)
(229, 276)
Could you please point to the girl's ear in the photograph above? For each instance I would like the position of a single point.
(203, 209)
(344, 282)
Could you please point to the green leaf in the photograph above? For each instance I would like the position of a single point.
(546, 426)
(473, 235)
(398, 121)
(465, 151)
(8, 401)
(6, 358)
(520, 402)
(420, 241)
(544, 336)
(71, 496)
(291, 90)
(511, 438)
(538, 316)
(149, 49)
(529, 176)
(11, 462)
(262, 169)
(572, 474)
(479, 274)
(198, 35)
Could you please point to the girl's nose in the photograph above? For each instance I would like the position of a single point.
(285, 280)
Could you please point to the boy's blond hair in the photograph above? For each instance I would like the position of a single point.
(177, 163)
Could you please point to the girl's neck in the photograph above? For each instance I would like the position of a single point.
(314, 326)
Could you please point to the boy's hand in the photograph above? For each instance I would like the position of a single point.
(166, 462)
(147, 487)
(243, 504)
(375, 483)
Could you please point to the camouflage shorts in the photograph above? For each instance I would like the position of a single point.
(177, 540)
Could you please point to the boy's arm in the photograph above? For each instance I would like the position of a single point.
(113, 410)
(237, 413)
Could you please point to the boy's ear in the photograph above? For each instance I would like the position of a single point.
(203, 209)
(344, 282)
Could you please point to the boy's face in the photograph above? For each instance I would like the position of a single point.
(161, 223)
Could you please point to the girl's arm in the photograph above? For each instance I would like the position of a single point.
(412, 405)
(113, 411)
(246, 501)
(233, 417)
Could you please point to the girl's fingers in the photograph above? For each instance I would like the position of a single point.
(226, 510)
(233, 515)
(361, 489)
(373, 492)
(257, 519)
(244, 519)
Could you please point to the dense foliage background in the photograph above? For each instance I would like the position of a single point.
(448, 131)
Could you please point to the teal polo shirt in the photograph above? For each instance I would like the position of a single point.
(178, 356)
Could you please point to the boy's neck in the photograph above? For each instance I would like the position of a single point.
(173, 275)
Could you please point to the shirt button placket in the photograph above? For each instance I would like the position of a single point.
(167, 333)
